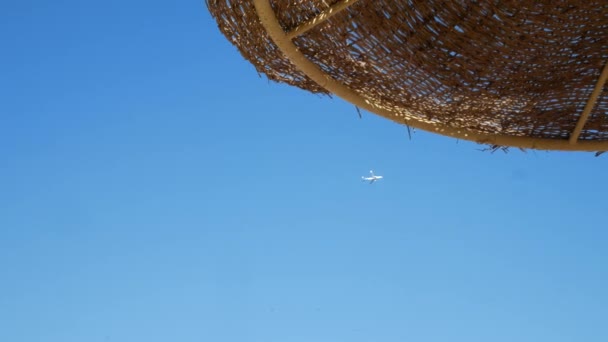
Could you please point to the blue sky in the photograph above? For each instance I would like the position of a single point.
(154, 188)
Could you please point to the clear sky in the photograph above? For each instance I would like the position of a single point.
(154, 188)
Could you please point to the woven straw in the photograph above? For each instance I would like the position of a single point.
(496, 68)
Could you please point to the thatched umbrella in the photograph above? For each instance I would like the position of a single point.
(529, 74)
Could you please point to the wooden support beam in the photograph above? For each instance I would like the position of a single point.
(589, 106)
(322, 17)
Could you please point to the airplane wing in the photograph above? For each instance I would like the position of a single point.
(371, 181)
(371, 172)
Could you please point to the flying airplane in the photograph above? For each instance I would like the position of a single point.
(372, 178)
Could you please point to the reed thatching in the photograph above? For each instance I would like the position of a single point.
(518, 73)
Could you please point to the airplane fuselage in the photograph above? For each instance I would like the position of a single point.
(372, 178)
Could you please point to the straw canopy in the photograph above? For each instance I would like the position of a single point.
(529, 74)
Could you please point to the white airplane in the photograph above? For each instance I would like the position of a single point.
(372, 178)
